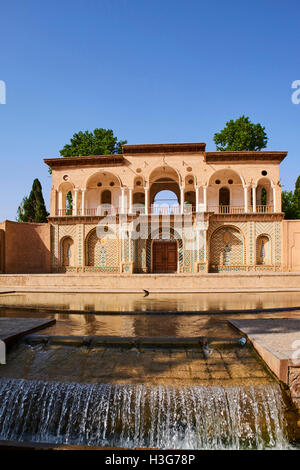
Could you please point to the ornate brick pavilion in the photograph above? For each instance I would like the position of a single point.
(106, 214)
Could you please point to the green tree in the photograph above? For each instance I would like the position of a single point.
(99, 142)
(291, 202)
(241, 134)
(288, 205)
(32, 208)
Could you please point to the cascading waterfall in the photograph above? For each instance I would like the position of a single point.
(132, 416)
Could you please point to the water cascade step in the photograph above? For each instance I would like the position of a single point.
(135, 416)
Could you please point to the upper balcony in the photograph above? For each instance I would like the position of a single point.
(166, 194)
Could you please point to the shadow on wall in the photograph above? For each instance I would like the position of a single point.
(24, 248)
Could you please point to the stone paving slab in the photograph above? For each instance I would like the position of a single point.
(276, 340)
(13, 328)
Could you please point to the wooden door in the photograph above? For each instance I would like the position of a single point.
(164, 257)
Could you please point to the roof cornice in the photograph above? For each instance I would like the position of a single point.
(196, 147)
(248, 156)
(91, 160)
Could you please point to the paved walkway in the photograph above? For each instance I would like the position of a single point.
(13, 328)
(277, 340)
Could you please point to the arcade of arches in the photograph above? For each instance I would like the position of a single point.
(219, 247)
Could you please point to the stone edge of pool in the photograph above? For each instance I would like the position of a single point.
(273, 340)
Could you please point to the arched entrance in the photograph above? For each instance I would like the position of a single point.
(164, 256)
(164, 190)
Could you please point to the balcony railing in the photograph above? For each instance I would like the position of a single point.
(94, 211)
(106, 210)
(264, 209)
(226, 209)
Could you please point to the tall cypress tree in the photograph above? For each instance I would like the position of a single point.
(32, 208)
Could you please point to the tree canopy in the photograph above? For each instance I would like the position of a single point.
(32, 208)
(291, 202)
(241, 134)
(99, 142)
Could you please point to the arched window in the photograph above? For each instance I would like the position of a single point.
(165, 202)
(69, 203)
(189, 201)
(106, 197)
(139, 198)
(224, 197)
(264, 196)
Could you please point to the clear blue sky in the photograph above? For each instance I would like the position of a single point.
(153, 71)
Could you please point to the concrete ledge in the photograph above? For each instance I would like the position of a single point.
(91, 290)
(277, 341)
(204, 282)
(14, 328)
(130, 342)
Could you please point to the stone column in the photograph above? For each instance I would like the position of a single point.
(202, 264)
(181, 199)
(205, 198)
(274, 199)
(246, 198)
(146, 189)
(83, 201)
(53, 202)
(130, 200)
(122, 200)
(197, 198)
(130, 246)
(205, 246)
(75, 201)
(198, 244)
(60, 203)
(253, 198)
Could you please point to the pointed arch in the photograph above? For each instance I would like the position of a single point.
(227, 249)
(102, 252)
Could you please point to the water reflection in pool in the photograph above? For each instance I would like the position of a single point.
(167, 302)
(164, 324)
(169, 319)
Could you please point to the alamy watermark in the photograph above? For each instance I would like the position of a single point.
(296, 94)
(164, 226)
(2, 92)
